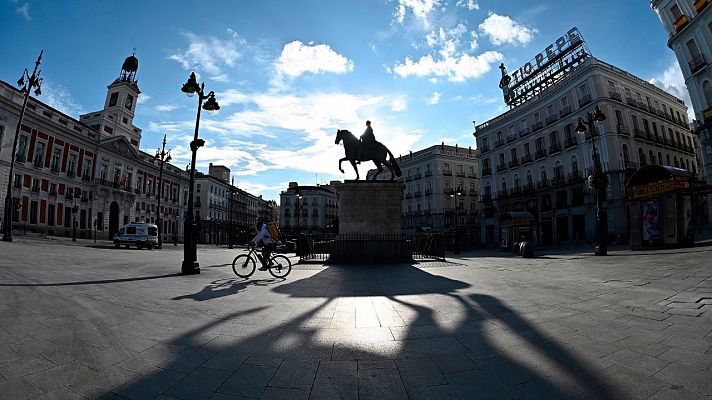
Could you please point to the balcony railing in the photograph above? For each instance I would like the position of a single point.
(541, 153)
(447, 172)
(551, 119)
(523, 132)
(486, 171)
(503, 193)
(499, 143)
(527, 158)
(558, 180)
(680, 22)
(615, 95)
(697, 63)
(574, 176)
(483, 149)
(700, 5)
(584, 100)
(501, 167)
(637, 133)
(570, 142)
(528, 187)
(516, 190)
(544, 183)
(631, 101)
(537, 125)
(511, 138)
(565, 111)
(554, 148)
(513, 163)
(623, 130)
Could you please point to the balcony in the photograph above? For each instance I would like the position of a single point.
(460, 174)
(502, 194)
(558, 180)
(642, 105)
(542, 184)
(528, 187)
(483, 150)
(615, 95)
(554, 148)
(680, 22)
(523, 132)
(447, 172)
(575, 176)
(565, 111)
(36, 188)
(631, 101)
(551, 119)
(700, 5)
(513, 163)
(501, 167)
(516, 190)
(584, 100)
(638, 134)
(409, 178)
(428, 173)
(569, 142)
(417, 176)
(697, 63)
(499, 143)
(53, 192)
(537, 125)
(511, 138)
(486, 171)
(486, 197)
(428, 192)
(623, 130)
(541, 153)
(527, 158)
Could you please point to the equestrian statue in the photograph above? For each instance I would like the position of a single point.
(366, 149)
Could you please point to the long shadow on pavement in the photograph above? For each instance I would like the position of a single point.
(356, 332)
(95, 282)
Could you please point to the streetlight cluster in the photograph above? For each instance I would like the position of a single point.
(597, 179)
(190, 252)
(163, 156)
(33, 82)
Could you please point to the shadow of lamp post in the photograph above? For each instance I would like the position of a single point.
(33, 81)
(597, 179)
(163, 157)
(190, 263)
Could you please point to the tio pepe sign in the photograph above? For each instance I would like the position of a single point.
(563, 43)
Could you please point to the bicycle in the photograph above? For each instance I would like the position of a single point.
(244, 265)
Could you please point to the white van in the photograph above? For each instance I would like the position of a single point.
(141, 235)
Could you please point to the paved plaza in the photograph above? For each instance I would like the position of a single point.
(89, 321)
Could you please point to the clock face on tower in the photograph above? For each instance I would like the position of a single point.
(129, 101)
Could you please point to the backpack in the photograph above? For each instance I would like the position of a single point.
(274, 231)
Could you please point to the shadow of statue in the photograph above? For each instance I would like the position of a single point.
(226, 287)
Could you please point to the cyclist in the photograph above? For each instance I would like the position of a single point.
(268, 244)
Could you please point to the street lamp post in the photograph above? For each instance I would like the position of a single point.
(190, 252)
(231, 200)
(454, 194)
(33, 81)
(299, 216)
(75, 209)
(597, 179)
(163, 156)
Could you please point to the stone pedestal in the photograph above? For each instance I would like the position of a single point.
(370, 207)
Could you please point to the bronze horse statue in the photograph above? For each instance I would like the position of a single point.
(356, 152)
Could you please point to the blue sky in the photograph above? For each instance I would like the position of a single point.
(288, 74)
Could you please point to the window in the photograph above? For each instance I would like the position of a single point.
(18, 181)
(86, 171)
(550, 110)
(33, 212)
(56, 156)
(35, 185)
(129, 102)
(564, 103)
(583, 90)
(707, 90)
(53, 189)
(525, 126)
(72, 166)
(113, 99)
(675, 11)
(21, 148)
(526, 149)
(50, 215)
(39, 155)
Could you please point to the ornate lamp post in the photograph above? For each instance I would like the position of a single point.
(597, 179)
(190, 252)
(454, 194)
(75, 209)
(163, 156)
(231, 200)
(33, 81)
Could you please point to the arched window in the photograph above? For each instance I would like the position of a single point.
(503, 184)
(574, 165)
(660, 158)
(667, 158)
(542, 174)
(677, 164)
(558, 170)
(626, 155)
(687, 164)
(515, 181)
(641, 157)
(488, 189)
(651, 157)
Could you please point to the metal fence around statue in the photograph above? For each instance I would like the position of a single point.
(370, 247)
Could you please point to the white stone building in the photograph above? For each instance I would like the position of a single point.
(317, 205)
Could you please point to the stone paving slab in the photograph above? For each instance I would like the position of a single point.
(116, 324)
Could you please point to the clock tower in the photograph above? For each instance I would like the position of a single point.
(116, 119)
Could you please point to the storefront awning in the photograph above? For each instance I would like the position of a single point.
(654, 180)
(513, 218)
(654, 174)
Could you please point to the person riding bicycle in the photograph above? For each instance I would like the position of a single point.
(268, 245)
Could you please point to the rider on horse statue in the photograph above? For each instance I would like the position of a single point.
(368, 140)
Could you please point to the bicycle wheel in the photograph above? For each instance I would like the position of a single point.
(243, 266)
(281, 266)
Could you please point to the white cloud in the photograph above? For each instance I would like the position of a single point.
(230, 97)
(220, 78)
(446, 41)
(434, 99)
(400, 103)
(24, 10)
(298, 58)
(166, 107)
(455, 69)
(142, 98)
(468, 4)
(419, 8)
(672, 81)
(503, 30)
(58, 97)
(208, 53)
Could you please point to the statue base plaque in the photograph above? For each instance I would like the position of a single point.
(370, 223)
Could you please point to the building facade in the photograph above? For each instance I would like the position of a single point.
(441, 189)
(88, 175)
(689, 26)
(533, 160)
(308, 209)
